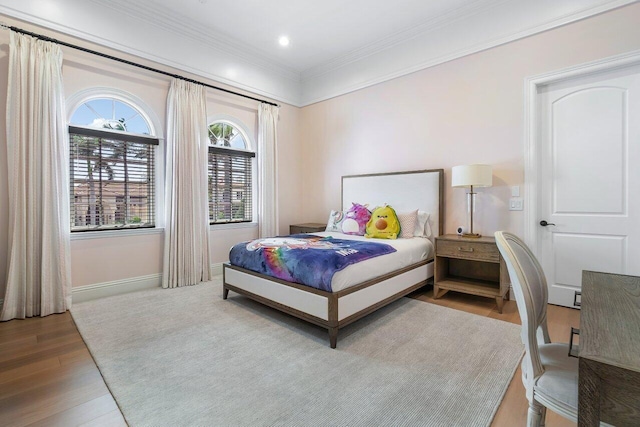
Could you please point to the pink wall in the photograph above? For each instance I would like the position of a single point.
(106, 259)
(465, 111)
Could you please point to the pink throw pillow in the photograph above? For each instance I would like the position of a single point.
(408, 222)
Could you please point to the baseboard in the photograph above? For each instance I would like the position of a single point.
(216, 269)
(115, 287)
(123, 286)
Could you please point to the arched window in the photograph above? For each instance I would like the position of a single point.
(112, 166)
(230, 174)
(111, 113)
(225, 134)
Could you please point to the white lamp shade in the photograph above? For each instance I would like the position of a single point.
(468, 175)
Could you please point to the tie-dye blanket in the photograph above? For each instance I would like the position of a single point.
(304, 258)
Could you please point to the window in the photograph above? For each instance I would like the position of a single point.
(230, 174)
(112, 167)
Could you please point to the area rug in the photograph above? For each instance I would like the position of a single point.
(185, 356)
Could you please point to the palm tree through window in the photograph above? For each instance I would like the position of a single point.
(229, 174)
(112, 167)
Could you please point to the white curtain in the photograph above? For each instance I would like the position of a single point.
(267, 170)
(39, 275)
(186, 247)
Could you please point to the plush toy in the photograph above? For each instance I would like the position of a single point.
(383, 224)
(355, 220)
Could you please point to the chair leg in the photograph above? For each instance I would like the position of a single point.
(536, 414)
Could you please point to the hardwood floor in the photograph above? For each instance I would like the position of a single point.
(48, 378)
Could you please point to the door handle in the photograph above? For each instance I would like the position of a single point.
(545, 223)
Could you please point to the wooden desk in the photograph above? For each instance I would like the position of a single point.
(609, 366)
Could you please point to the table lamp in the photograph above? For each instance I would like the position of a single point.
(470, 176)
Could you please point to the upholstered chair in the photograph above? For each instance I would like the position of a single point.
(549, 375)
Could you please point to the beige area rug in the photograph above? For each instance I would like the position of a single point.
(182, 357)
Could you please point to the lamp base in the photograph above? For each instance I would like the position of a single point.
(472, 235)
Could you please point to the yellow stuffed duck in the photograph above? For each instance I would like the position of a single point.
(383, 224)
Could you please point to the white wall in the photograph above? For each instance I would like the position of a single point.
(469, 110)
(106, 259)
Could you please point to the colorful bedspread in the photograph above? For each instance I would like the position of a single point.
(304, 258)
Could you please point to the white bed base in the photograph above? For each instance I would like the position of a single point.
(331, 310)
(334, 310)
(317, 305)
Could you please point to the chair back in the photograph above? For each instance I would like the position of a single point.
(530, 289)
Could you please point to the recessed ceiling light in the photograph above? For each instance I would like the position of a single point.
(283, 40)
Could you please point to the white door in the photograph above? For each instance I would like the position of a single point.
(589, 178)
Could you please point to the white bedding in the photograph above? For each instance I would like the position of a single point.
(408, 252)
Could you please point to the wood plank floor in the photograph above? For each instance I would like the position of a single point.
(48, 377)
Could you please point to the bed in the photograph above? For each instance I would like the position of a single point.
(363, 295)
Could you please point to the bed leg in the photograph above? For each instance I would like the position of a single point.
(333, 337)
(225, 292)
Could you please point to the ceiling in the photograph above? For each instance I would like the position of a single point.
(320, 31)
(337, 46)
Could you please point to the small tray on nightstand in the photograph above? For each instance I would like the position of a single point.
(308, 227)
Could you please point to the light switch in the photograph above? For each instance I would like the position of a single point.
(515, 191)
(516, 204)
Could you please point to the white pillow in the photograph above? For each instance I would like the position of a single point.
(335, 221)
(408, 221)
(423, 229)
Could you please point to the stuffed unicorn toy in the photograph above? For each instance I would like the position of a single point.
(356, 218)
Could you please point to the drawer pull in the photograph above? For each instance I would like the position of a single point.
(465, 249)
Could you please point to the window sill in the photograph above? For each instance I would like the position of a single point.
(232, 226)
(87, 235)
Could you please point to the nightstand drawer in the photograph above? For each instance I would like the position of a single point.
(468, 250)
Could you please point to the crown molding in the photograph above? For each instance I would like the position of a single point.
(444, 19)
(356, 58)
(438, 40)
(290, 94)
(165, 19)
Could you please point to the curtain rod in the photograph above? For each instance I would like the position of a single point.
(135, 64)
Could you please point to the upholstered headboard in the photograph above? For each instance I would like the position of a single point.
(404, 191)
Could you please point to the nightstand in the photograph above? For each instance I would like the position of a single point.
(309, 227)
(472, 266)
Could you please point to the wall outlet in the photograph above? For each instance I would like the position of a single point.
(516, 204)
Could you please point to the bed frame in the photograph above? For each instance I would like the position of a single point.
(334, 310)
